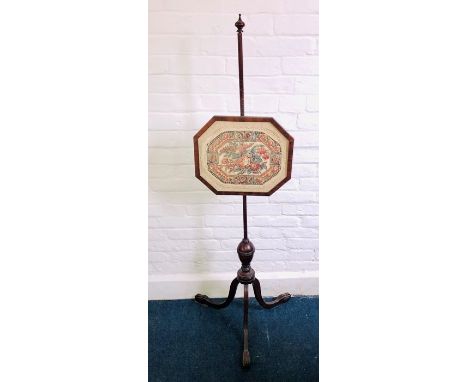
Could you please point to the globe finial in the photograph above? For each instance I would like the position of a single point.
(239, 24)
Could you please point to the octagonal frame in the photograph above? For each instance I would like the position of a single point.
(243, 119)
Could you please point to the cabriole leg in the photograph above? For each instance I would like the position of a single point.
(203, 299)
(281, 299)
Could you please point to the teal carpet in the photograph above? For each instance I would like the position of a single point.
(190, 342)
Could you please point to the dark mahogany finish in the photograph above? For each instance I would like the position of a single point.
(240, 58)
(245, 249)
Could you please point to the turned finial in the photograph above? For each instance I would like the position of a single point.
(239, 24)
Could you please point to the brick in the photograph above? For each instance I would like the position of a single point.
(291, 184)
(224, 199)
(259, 243)
(189, 266)
(159, 256)
(217, 84)
(293, 197)
(165, 121)
(296, 24)
(308, 121)
(229, 7)
(300, 233)
(306, 85)
(169, 84)
(306, 139)
(186, 102)
(277, 46)
(211, 102)
(284, 221)
(155, 234)
(229, 233)
(160, 171)
(177, 121)
(262, 244)
(188, 233)
(269, 85)
(167, 170)
(264, 103)
(305, 155)
(269, 255)
(166, 209)
(206, 24)
(233, 103)
(310, 221)
(292, 103)
(255, 66)
(230, 244)
(305, 170)
(175, 222)
(257, 25)
(270, 232)
(302, 255)
(186, 23)
(176, 184)
(178, 197)
(197, 65)
(158, 64)
(212, 209)
(257, 199)
(251, 7)
(287, 120)
(181, 245)
(155, 5)
(309, 184)
(284, 265)
(307, 65)
(170, 139)
(185, 84)
(223, 221)
(170, 156)
(302, 243)
(258, 221)
(179, 45)
(300, 209)
(218, 46)
(312, 103)
(301, 6)
(264, 210)
(191, 6)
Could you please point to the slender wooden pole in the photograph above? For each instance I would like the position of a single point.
(244, 208)
(240, 57)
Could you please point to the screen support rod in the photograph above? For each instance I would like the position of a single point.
(240, 56)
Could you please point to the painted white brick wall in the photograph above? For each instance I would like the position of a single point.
(193, 234)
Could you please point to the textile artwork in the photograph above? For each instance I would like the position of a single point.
(243, 156)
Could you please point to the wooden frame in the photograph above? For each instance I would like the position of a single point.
(270, 120)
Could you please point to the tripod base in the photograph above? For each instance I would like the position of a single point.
(281, 299)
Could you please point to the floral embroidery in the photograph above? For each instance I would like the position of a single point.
(244, 157)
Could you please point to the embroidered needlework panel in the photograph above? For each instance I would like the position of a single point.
(239, 156)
